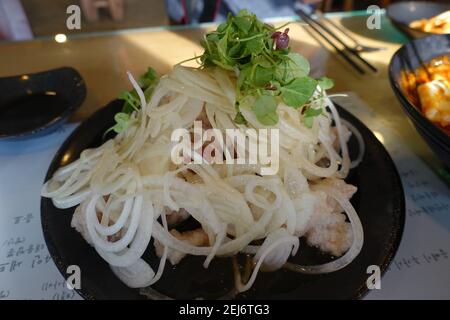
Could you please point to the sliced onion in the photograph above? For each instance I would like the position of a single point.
(290, 240)
(137, 247)
(361, 144)
(137, 275)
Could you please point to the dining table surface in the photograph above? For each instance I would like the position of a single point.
(104, 58)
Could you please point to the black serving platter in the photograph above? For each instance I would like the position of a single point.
(37, 103)
(379, 202)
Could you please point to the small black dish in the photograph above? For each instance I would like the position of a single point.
(411, 56)
(39, 102)
(402, 14)
(379, 202)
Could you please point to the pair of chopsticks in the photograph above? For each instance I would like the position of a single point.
(347, 53)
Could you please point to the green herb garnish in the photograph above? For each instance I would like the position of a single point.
(265, 110)
(147, 82)
(298, 91)
(309, 114)
(267, 71)
(325, 83)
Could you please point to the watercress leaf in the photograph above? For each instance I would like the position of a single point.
(281, 72)
(262, 76)
(124, 95)
(148, 92)
(298, 92)
(298, 65)
(265, 110)
(222, 27)
(255, 46)
(149, 78)
(243, 76)
(311, 112)
(308, 121)
(325, 83)
(292, 66)
(121, 117)
(222, 46)
(243, 23)
(128, 108)
(243, 13)
(213, 36)
(122, 122)
(131, 101)
(269, 119)
(235, 50)
(262, 61)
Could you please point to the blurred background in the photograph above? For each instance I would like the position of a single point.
(28, 19)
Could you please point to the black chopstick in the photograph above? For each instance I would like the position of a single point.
(338, 27)
(338, 50)
(331, 33)
(312, 21)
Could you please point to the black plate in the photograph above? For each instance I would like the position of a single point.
(37, 103)
(409, 57)
(379, 202)
(403, 13)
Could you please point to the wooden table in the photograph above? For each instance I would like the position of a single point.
(103, 60)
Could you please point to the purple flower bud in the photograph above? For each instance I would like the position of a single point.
(276, 34)
(281, 39)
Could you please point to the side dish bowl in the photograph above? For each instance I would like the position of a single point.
(411, 56)
(403, 13)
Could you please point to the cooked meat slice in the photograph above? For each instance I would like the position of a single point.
(196, 237)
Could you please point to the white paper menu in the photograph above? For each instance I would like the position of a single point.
(26, 268)
(421, 267)
(419, 270)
